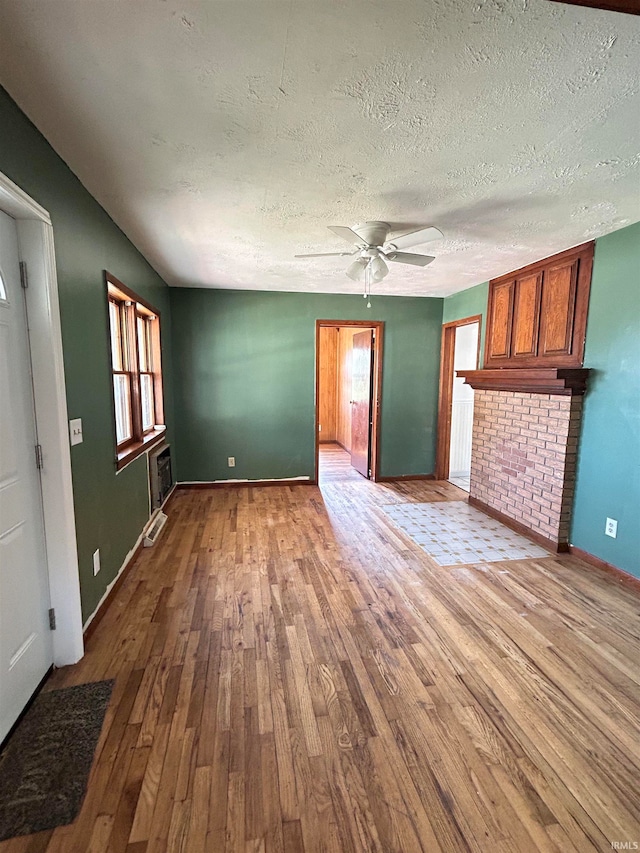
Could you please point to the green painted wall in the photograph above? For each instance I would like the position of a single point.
(110, 509)
(244, 363)
(608, 482)
(468, 303)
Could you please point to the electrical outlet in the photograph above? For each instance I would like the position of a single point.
(611, 528)
(231, 461)
(96, 562)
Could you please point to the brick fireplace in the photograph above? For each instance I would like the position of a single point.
(525, 440)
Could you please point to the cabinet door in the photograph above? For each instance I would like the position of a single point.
(500, 321)
(558, 310)
(526, 315)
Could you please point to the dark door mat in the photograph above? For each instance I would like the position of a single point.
(45, 765)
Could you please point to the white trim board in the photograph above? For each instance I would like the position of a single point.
(283, 480)
(35, 237)
(127, 560)
(129, 557)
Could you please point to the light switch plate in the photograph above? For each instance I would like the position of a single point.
(75, 431)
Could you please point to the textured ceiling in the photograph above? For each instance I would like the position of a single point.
(223, 137)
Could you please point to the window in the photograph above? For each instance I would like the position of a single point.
(136, 369)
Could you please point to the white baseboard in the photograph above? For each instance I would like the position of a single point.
(246, 480)
(130, 555)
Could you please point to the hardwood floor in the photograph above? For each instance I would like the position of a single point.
(293, 674)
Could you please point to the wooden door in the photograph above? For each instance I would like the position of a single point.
(361, 401)
(25, 639)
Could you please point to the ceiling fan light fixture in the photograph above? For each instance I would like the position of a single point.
(355, 271)
(378, 269)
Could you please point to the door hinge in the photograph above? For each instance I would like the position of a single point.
(24, 279)
(38, 449)
(52, 619)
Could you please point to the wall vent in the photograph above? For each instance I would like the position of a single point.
(160, 476)
(154, 529)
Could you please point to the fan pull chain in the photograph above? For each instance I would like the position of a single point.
(367, 284)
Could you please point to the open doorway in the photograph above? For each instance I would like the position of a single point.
(460, 351)
(348, 389)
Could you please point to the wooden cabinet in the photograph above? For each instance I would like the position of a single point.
(501, 308)
(537, 315)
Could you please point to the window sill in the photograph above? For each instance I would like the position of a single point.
(132, 451)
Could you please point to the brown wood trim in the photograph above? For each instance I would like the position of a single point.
(128, 451)
(618, 575)
(378, 350)
(134, 374)
(542, 264)
(130, 294)
(102, 609)
(555, 547)
(132, 451)
(245, 484)
(156, 364)
(466, 321)
(445, 400)
(405, 477)
(565, 381)
(445, 392)
(629, 7)
(334, 441)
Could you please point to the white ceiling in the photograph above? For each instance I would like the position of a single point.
(223, 137)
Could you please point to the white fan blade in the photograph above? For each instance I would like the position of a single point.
(327, 255)
(415, 238)
(347, 234)
(409, 258)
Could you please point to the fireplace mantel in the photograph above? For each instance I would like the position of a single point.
(569, 382)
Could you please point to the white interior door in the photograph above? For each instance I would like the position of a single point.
(465, 358)
(25, 638)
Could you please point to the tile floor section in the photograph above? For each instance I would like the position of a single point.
(454, 533)
(461, 482)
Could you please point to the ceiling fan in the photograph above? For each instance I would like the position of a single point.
(374, 249)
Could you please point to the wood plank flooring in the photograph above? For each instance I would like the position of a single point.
(294, 674)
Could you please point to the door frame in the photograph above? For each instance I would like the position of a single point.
(445, 394)
(35, 240)
(376, 393)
